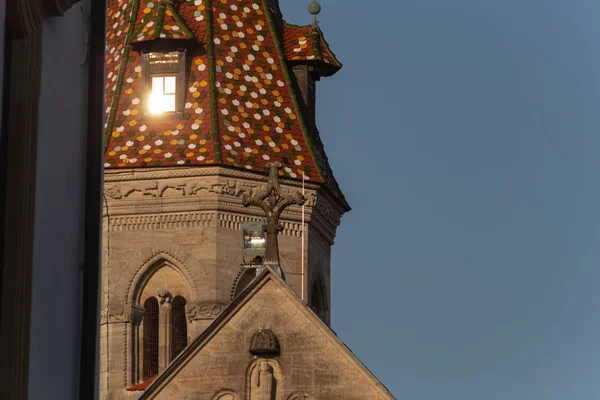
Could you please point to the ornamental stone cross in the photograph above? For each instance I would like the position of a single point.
(273, 200)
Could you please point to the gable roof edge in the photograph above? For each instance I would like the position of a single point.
(267, 275)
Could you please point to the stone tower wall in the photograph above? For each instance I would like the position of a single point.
(190, 220)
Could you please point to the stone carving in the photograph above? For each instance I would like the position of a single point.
(202, 311)
(225, 394)
(119, 176)
(113, 191)
(272, 200)
(128, 314)
(300, 396)
(133, 314)
(165, 298)
(264, 343)
(185, 187)
(263, 382)
(146, 188)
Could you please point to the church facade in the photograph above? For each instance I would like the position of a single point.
(202, 98)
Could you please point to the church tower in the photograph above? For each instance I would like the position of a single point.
(212, 156)
(201, 97)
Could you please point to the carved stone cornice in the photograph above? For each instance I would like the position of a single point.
(201, 202)
(159, 221)
(182, 172)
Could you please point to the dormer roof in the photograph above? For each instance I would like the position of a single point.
(307, 44)
(161, 21)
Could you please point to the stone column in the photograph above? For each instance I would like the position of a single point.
(164, 329)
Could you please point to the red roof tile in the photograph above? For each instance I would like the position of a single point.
(240, 108)
(163, 22)
(307, 43)
(141, 385)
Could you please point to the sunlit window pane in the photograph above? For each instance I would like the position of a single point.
(169, 84)
(157, 84)
(169, 102)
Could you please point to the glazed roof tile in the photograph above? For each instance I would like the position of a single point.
(163, 22)
(240, 106)
(307, 43)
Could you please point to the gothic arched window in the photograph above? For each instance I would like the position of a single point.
(178, 326)
(162, 333)
(150, 342)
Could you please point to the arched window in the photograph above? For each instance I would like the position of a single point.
(163, 292)
(150, 343)
(178, 326)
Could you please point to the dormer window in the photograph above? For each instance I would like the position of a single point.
(164, 77)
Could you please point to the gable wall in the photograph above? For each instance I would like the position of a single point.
(310, 361)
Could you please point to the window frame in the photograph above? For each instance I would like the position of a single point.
(178, 71)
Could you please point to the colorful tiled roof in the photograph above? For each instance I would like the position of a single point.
(162, 22)
(307, 43)
(240, 105)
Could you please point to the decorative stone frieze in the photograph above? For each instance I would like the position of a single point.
(203, 310)
(129, 313)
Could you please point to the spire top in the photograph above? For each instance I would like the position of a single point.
(314, 8)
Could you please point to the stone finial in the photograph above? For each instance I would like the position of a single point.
(264, 343)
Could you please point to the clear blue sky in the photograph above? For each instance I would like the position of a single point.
(466, 136)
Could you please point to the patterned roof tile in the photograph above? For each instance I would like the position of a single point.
(307, 43)
(240, 109)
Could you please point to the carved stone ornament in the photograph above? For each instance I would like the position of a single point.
(181, 186)
(264, 343)
(273, 200)
(165, 298)
(263, 382)
(128, 314)
(300, 396)
(203, 311)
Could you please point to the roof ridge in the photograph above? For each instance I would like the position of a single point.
(212, 88)
(145, 21)
(327, 47)
(180, 21)
(316, 42)
(295, 25)
(286, 74)
(121, 74)
(159, 19)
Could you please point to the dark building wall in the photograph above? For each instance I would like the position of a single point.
(59, 208)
